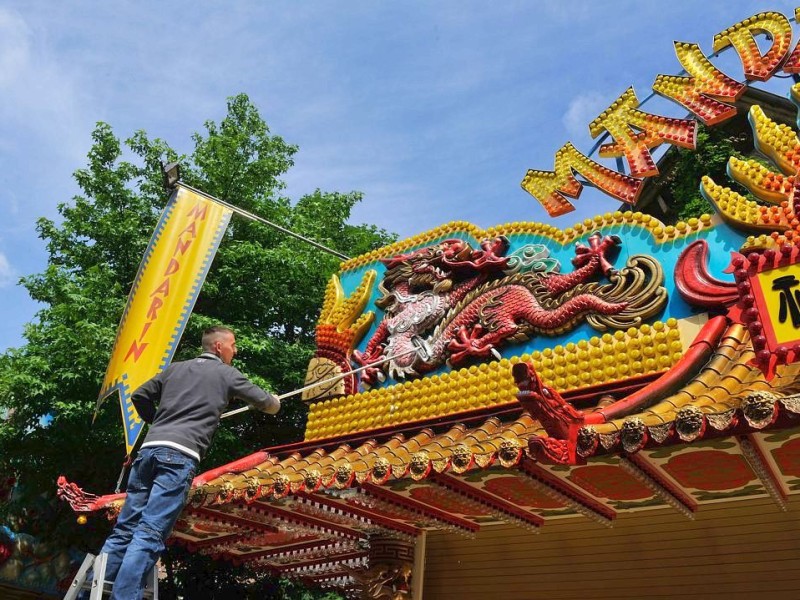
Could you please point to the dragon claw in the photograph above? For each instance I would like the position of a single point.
(597, 249)
(469, 343)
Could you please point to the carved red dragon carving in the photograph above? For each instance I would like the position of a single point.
(559, 418)
(463, 303)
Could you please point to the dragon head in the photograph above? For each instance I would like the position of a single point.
(531, 385)
(437, 266)
(544, 403)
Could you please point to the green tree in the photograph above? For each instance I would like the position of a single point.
(265, 285)
(680, 185)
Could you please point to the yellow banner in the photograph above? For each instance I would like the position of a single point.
(162, 297)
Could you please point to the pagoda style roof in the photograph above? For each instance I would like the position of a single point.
(710, 429)
(578, 395)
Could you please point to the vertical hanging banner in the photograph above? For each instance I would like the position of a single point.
(170, 276)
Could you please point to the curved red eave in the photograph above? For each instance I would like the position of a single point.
(698, 354)
(696, 285)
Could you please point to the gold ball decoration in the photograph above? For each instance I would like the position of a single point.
(584, 363)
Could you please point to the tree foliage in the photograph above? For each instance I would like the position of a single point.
(266, 286)
(681, 185)
(204, 578)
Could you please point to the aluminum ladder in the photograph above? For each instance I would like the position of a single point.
(98, 587)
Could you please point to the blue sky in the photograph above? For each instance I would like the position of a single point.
(434, 110)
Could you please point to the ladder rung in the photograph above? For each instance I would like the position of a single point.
(97, 564)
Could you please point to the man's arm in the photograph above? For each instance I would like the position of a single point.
(145, 397)
(244, 389)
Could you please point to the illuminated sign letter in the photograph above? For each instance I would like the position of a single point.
(742, 37)
(623, 116)
(702, 90)
(550, 187)
(792, 64)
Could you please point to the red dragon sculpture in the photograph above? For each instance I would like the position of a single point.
(559, 418)
(463, 303)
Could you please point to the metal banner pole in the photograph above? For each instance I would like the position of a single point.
(262, 220)
(420, 347)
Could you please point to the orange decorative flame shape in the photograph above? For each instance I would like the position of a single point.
(780, 221)
(341, 326)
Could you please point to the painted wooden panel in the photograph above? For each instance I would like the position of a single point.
(731, 550)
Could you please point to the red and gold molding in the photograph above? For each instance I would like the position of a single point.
(660, 232)
(457, 450)
(724, 397)
(766, 306)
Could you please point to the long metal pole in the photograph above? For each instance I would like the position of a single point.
(253, 217)
(324, 381)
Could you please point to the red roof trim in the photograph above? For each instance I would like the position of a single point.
(383, 493)
(321, 561)
(232, 519)
(657, 475)
(536, 472)
(460, 487)
(288, 549)
(210, 542)
(362, 513)
(291, 516)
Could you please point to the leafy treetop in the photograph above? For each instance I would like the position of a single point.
(266, 286)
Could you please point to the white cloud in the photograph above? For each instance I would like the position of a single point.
(7, 274)
(42, 96)
(583, 110)
(14, 46)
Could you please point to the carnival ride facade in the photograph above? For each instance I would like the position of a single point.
(528, 374)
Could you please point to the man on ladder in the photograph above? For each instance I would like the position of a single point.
(190, 396)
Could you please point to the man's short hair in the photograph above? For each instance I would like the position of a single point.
(211, 335)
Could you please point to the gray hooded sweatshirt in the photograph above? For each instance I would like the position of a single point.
(191, 395)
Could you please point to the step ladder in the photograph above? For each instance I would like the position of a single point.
(98, 587)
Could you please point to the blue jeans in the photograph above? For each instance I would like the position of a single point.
(157, 490)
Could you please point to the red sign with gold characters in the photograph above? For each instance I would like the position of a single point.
(777, 298)
(769, 304)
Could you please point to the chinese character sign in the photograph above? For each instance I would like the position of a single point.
(777, 295)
